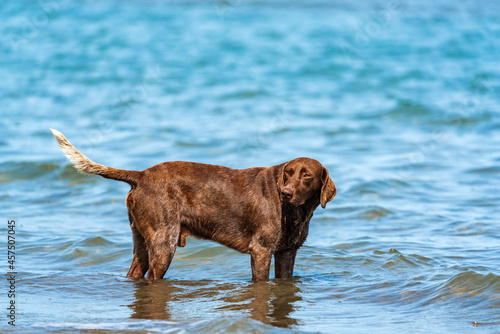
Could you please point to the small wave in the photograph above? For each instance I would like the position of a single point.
(28, 171)
(54, 247)
(77, 253)
(472, 284)
(340, 131)
(407, 109)
(362, 212)
(375, 213)
(378, 188)
(398, 260)
(187, 144)
(25, 171)
(221, 325)
(89, 251)
(469, 288)
(463, 120)
(153, 326)
(95, 241)
(243, 94)
(485, 170)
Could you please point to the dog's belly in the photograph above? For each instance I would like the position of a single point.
(225, 234)
(236, 228)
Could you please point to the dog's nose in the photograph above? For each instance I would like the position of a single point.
(287, 193)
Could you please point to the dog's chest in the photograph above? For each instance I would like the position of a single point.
(295, 228)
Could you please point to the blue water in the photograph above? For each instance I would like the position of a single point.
(398, 99)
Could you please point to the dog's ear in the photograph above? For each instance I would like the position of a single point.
(281, 178)
(328, 190)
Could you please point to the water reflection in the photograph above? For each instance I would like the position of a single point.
(151, 298)
(271, 302)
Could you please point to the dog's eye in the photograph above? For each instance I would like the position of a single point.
(307, 175)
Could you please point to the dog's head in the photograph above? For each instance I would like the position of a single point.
(304, 178)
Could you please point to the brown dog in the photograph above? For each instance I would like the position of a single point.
(260, 211)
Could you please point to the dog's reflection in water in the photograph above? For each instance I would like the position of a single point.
(271, 302)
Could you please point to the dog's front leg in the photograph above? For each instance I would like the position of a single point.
(284, 262)
(261, 263)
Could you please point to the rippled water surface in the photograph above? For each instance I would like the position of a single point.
(398, 99)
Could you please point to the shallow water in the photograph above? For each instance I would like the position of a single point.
(398, 100)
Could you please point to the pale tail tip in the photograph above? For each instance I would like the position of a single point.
(55, 132)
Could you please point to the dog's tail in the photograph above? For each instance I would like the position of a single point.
(85, 165)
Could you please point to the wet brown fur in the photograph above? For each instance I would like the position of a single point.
(261, 211)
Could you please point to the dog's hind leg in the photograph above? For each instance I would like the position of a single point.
(162, 248)
(140, 262)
